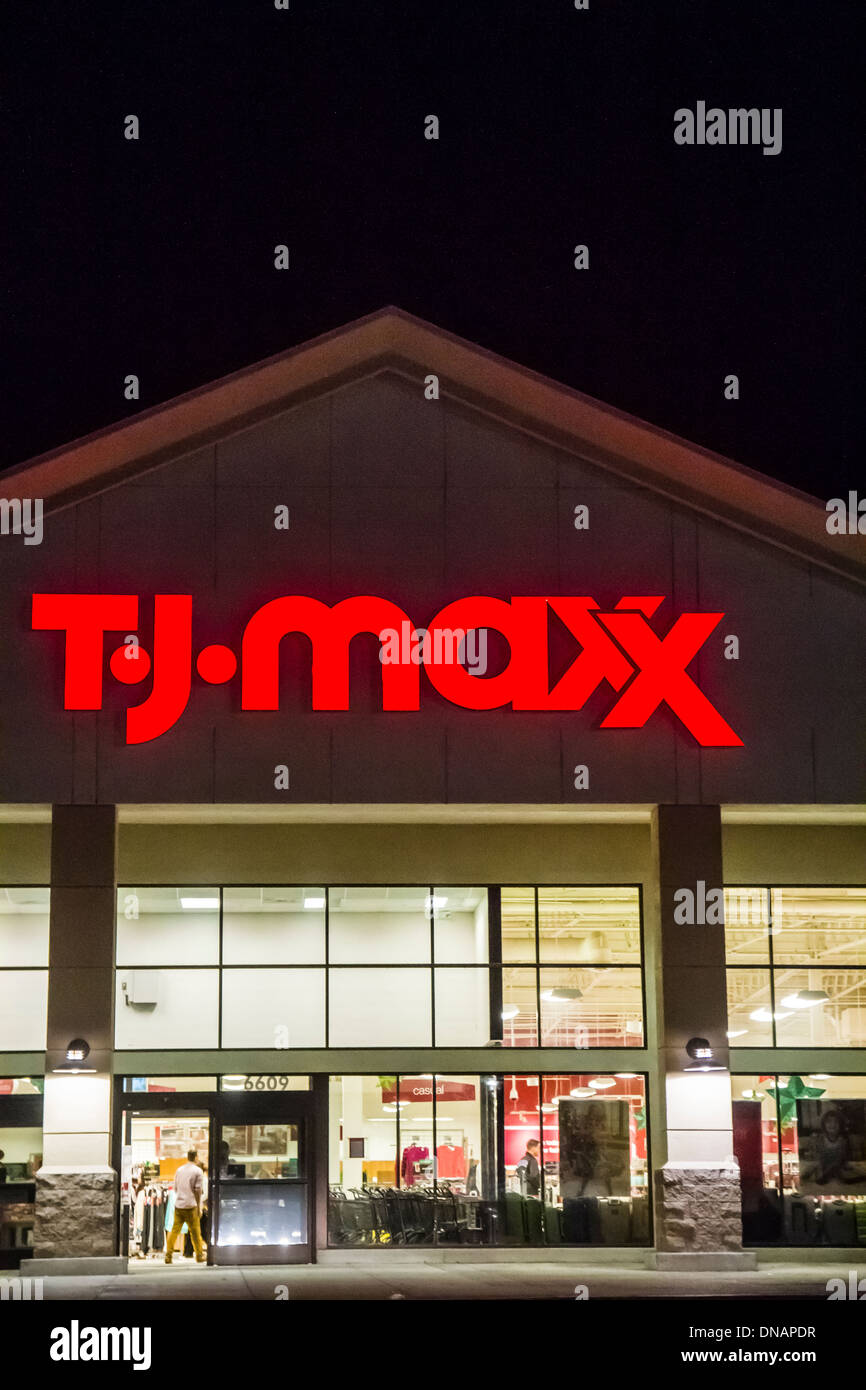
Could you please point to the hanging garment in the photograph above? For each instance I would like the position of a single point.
(450, 1161)
(412, 1154)
(158, 1235)
(139, 1215)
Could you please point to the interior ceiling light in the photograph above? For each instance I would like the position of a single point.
(806, 998)
(820, 1076)
(511, 1012)
(200, 904)
(313, 903)
(626, 1075)
(764, 1015)
(578, 1091)
(601, 1083)
(737, 1032)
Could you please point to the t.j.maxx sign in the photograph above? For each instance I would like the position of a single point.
(643, 666)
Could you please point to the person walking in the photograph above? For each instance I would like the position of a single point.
(187, 1207)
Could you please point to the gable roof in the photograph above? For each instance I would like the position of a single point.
(392, 339)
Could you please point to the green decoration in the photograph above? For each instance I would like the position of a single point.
(788, 1096)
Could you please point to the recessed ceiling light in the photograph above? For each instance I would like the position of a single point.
(200, 904)
(601, 1083)
(314, 903)
(510, 1012)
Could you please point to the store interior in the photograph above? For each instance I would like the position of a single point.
(406, 1170)
(155, 1146)
(800, 1141)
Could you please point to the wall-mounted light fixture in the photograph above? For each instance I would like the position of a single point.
(702, 1056)
(77, 1053)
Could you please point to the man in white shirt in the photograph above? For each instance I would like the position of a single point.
(187, 1207)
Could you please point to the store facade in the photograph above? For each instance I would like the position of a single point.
(438, 800)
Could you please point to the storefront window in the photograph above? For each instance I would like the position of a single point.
(168, 926)
(460, 921)
(412, 1160)
(595, 1180)
(22, 1085)
(488, 1160)
(573, 986)
(518, 924)
(273, 926)
(591, 1008)
(379, 926)
(750, 1008)
(519, 1006)
(167, 1008)
(388, 1007)
(260, 1152)
(23, 1010)
(24, 927)
(273, 1007)
(20, 1160)
(407, 966)
(23, 973)
(800, 1141)
(462, 997)
(747, 926)
(597, 925)
(810, 945)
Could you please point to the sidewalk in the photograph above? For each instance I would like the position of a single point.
(187, 1281)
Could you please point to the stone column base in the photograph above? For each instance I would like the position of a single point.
(76, 1212)
(698, 1208)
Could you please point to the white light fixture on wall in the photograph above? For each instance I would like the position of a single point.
(701, 1052)
(77, 1053)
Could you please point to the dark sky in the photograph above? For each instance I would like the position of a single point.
(260, 126)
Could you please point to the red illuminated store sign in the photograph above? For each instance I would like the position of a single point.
(420, 1088)
(620, 647)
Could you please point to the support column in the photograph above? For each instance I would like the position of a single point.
(697, 1191)
(76, 1188)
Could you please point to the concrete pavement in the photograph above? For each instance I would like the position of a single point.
(446, 1282)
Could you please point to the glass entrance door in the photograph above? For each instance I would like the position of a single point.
(261, 1181)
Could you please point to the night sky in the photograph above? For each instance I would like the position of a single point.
(306, 127)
